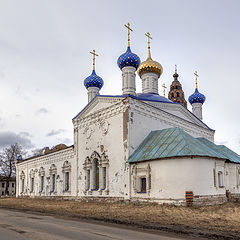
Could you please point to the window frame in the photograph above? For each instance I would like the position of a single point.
(220, 179)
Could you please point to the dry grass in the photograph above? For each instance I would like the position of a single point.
(220, 218)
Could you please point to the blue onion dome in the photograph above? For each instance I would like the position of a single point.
(128, 59)
(196, 97)
(93, 81)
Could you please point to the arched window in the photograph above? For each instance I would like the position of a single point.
(176, 87)
(66, 175)
(32, 175)
(95, 174)
(53, 176)
(177, 94)
(22, 177)
(172, 95)
(220, 179)
(41, 179)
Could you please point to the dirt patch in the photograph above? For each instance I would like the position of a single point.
(214, 222)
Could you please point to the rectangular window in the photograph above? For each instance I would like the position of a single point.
(67, 181)
(32, 184)
(104, 172)
(53, 182)
(220, 179)
(2, 193)
(88, 180)
(13, 185)
(42, 183)
(143, 185)
(22, 185)
(3, 185)
(214, 178)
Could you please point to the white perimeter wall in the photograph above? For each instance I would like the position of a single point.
(45, 161)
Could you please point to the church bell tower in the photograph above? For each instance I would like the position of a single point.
(176, 93)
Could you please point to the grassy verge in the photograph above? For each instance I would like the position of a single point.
(214, 222)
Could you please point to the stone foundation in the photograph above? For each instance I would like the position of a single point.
(234, 197)
(100, 199)
(199, 200)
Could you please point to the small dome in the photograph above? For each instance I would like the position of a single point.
(93, 81)
(150, 66)
(128, 59)
(196, 97)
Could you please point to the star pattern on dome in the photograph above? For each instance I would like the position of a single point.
(196, 97)
(128, 59)
(93, 81)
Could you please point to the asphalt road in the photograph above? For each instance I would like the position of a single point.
(15, 225)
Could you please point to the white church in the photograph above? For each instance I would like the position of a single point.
(136, 147)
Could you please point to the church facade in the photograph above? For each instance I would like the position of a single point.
(136, 147)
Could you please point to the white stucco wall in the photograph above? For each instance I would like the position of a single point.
(103, 132)
(171, 178)
(144, 119)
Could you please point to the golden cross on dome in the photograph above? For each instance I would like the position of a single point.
(196, 74)
(149, 37)
(129, 29)
(164, 88)
(94, 55)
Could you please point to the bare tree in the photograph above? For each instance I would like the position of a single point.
(8, 157)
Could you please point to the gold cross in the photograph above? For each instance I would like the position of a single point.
(94, 55)
(149, 37)
(129, 29)
(164, 88)
(175, 68)
(196, 74)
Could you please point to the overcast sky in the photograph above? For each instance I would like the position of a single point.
(44, 59)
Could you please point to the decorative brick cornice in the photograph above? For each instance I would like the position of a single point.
(63, 155)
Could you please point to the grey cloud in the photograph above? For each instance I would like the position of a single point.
(17, 115)
(7, 138)
(25, 134)
(55, 132)
(42, 111)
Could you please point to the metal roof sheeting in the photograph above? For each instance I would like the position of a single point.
(174, 142)
(228, 153)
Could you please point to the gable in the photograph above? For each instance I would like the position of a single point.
(98, 103)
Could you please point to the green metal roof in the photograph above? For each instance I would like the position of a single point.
(174, 142)
(225, 151)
